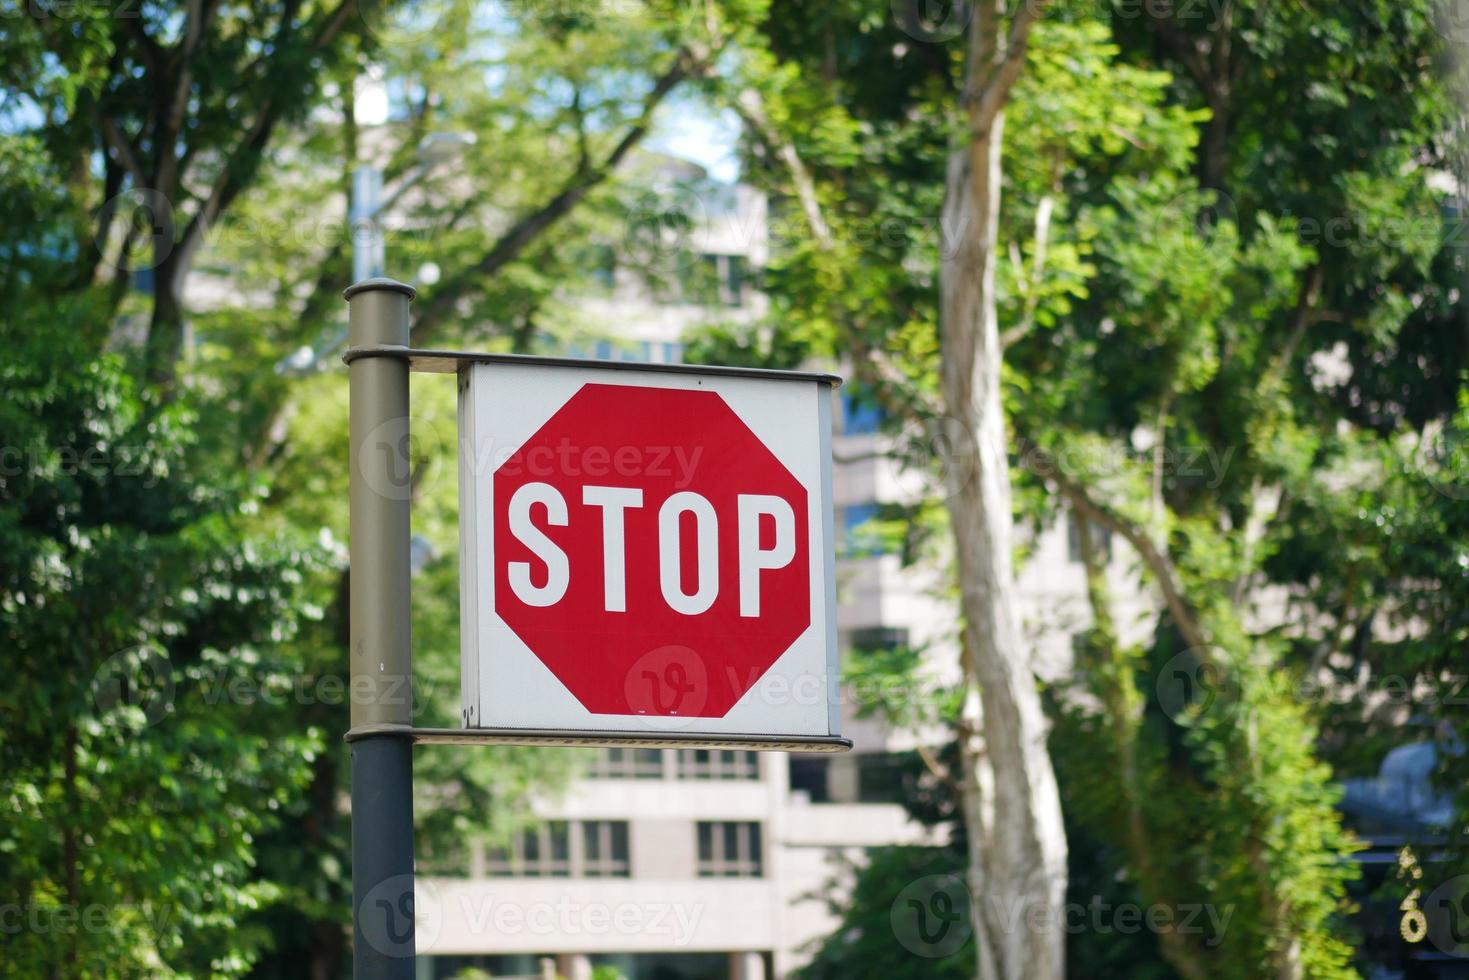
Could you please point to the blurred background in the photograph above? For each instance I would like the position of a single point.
(1151, 477)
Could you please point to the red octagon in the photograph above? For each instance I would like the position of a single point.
(552, 568)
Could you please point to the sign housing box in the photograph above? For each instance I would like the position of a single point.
(647, 555)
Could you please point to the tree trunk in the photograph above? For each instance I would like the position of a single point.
(1215, 152)
(1122, 704)
(1017, 844)
(70, 848)
(165, 341)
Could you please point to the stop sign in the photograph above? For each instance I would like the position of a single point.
(654, 520)
(647, 548)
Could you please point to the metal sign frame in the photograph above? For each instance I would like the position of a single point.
(430, 361)
(788, 695)
(577, 739)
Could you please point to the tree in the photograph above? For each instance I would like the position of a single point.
(1138, 306)
(1251, 310)
(148, 105)
(135, 599)
(1012, 811)
(1017, 860)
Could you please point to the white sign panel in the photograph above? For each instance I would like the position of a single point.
(647, 550)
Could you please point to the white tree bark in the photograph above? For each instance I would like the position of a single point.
(1012, 810)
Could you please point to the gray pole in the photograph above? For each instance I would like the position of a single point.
(366, 219)
(381, 685)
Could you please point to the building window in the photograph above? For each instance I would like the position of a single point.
(733, 293)
(537, 852)
(809, 776)
(628, 764)
(603, 262)
(698, 280)
(860, 414)
(451, 861)
(606, 350)
(546, 852)
(1101, 539)
(860, 535)
(604, 849)
(877, 639)
(718, 764)
(886, 777)
(729, 849)
(713, 280)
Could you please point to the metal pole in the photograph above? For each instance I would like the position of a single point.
(365, 214)
(381, 687)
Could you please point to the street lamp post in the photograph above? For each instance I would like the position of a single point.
(364, 213)
(380, 657)
(368, 207)
(367, 229)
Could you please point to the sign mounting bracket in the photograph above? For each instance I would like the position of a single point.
(571, 738)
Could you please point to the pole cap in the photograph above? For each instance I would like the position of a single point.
(379, 283)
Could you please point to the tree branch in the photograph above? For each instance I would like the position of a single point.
(985, 102)
(514, 241)
(751, 108)
(126, 155)
(233, 176)
(1161, 566)
(196, 25)
(1037, 270)
(152, 53)
(869, 363)
(938, 770)
(1263, 509)
(1116, 687)
(1160, 443)
(583, 150)
(1182, 47)
(1306, 314)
